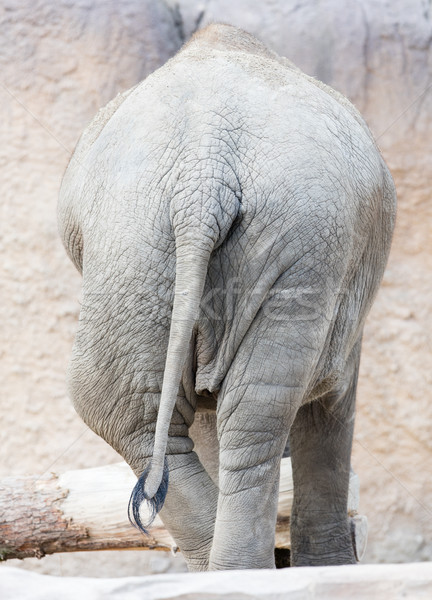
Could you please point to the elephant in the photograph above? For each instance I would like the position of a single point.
(231, 218)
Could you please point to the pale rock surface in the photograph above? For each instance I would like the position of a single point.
(374, 582)
(60, 61)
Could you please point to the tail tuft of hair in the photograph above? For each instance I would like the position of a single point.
(154, 504)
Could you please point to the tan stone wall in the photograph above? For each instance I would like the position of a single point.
(59, 62)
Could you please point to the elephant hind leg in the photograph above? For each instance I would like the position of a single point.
(252, 440)
(189, 511)
(320, 445)
(257, 404)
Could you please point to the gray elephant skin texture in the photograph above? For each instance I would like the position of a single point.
(232, 219)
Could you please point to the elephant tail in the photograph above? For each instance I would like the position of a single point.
(191, 272)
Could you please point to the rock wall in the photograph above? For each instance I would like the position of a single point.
(60, 61)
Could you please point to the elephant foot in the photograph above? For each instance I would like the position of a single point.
(196, 565)
(330, 548)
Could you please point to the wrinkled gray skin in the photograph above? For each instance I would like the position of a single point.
(232, 219)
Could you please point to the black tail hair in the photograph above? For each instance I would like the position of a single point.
(154, 504)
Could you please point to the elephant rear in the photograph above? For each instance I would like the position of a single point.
(232, 219)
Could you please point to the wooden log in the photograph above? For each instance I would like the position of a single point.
(87, 510)
(76, 511)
